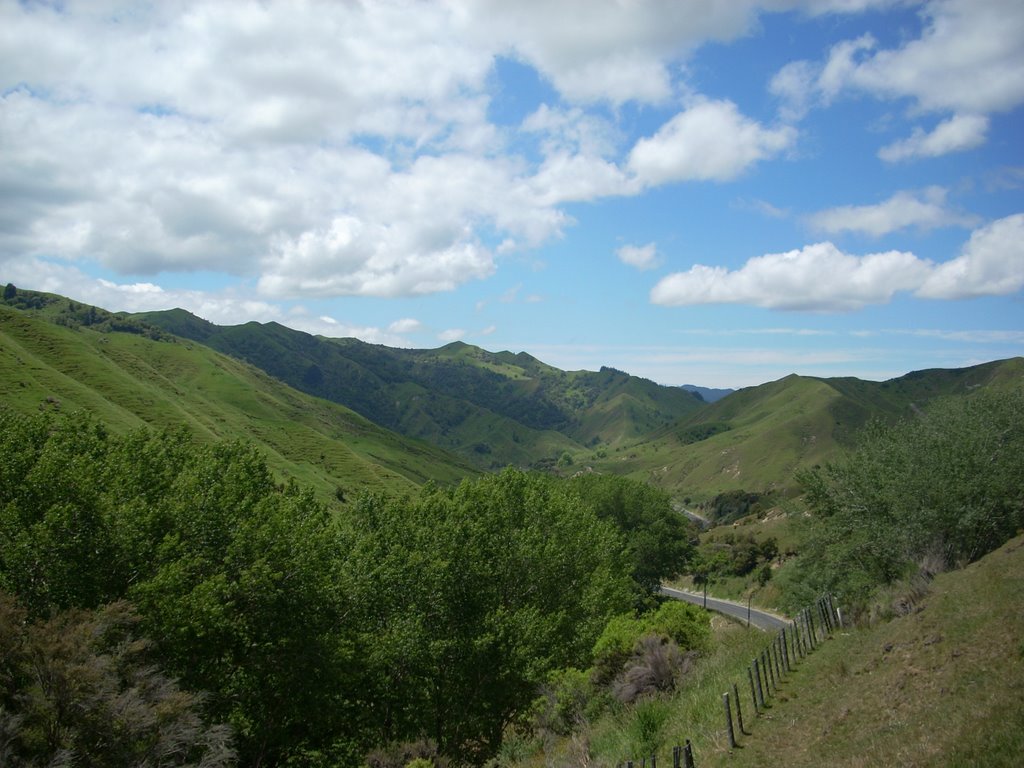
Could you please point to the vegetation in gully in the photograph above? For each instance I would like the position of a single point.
(202, 566)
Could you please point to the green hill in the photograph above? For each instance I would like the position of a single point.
(127, 378)
(494, 408)
(757, 438)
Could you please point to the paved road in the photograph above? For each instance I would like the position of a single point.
(769, 622)
(700, 520)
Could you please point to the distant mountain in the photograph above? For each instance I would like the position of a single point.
(494, 408)
(61, 355)
(708, 394)
(757, 438)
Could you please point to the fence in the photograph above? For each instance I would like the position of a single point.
(764, 674)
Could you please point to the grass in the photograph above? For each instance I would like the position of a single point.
(942, 686)
(128, 381)
(654, 726)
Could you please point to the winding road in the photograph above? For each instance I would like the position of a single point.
(769, 622)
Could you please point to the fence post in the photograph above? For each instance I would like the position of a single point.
(775, 658)
(728, 721)
(754, 693)
(785, 650)
(677, 753)
(769, 676)
(739, 710)
(688, 755)
(760, 691)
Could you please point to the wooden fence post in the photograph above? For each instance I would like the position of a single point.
(728, 721)
(739, 710)
(760, 691)
(753, 692)
(785, 650)
(769, 676)
(776, 653)
(677, 753)
(688, 755)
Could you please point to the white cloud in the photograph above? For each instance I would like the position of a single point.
(817, 277)
(904, 209)
(794, 85)
(639, 256)
(991, 264)
(956, 134)
(968, 59)
(405, 325)
(604, 50)
(452, 334)
(710, 141)
(820, 277)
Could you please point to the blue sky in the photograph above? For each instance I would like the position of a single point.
(695, 191)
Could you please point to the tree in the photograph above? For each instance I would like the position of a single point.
(234, 577)
(658, 537)
(945, 486)
(470, 597)
(10, 292)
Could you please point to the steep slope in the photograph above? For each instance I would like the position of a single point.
(943, 685)
(493, 408)
(757, 438)
(127, 380)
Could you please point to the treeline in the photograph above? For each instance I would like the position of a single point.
(171, 601)
(929, 493)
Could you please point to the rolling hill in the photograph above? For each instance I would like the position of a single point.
(490, 408)
(758, 437)
(494, 408)
(127, 378)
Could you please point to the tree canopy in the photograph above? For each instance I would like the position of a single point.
(944, 487)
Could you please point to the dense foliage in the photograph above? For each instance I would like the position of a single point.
(660, 540)
(433, 617)
(79, 689)
(471, 596)
(940, 490)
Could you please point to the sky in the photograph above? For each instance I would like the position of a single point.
(710, 192)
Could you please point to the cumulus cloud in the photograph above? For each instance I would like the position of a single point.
(968, 61)
(817, 277)
(710, 141)
(956, 134)
(821, 277)
(991, 264)
(606, 50)
(639, 256)
(927, 210)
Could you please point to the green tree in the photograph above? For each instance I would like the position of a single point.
(234, 577)
(659, 539)
(944, 486)
(470, 597)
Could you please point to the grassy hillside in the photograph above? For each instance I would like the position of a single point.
(129, 379)
(493, 408)
(758, 437)
(942, 685)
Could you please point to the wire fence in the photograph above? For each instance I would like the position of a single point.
(765, 674)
